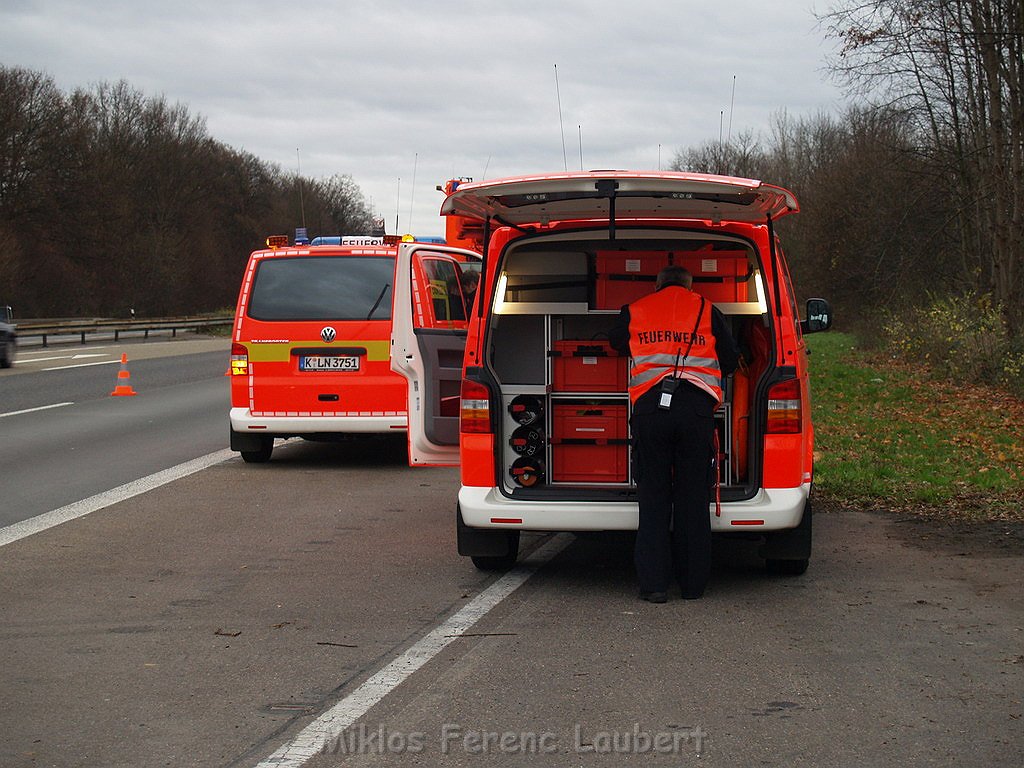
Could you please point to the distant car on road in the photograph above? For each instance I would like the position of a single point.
(8, 337)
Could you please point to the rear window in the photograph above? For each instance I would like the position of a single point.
(323, 288)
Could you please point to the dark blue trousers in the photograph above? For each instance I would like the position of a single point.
(672, 465)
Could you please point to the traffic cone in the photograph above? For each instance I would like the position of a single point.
(124, 387)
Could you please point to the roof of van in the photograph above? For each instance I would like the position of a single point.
(638, 195)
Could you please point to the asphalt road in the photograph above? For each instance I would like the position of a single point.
(63, 437)
(210, 621)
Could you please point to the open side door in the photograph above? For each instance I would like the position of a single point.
(428, 339)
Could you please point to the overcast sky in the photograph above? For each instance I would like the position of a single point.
(386, 90)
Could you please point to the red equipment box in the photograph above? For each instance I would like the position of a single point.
(587, 366)
(721, 276)
(589, 443)
(625, 276)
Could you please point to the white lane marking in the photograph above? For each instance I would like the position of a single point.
(28, 359)
(33, 410)
(55, 517)
(346, 712)
(82, 365)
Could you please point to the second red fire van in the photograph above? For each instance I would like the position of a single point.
(312, 334)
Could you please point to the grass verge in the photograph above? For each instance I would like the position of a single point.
(890, 436)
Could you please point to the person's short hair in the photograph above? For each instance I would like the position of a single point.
(673, 275)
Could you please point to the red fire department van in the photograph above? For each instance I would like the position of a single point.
(544, 437)
(311, 339)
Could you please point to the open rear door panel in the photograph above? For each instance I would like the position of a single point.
(428, 339)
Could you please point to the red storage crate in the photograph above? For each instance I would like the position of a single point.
(589, 443)
(625, 276)
(587, 366)
(721, 276)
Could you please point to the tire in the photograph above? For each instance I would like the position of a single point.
(788, 553)
(787, 567)
(260, 455)
(502, 562)
(7, 353)
(490, 550)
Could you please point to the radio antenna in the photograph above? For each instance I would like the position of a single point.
(486, 166)
(298, 182)
(732, 103)
(581, 146)
(558, 95)
(412, 194)
(398, 203)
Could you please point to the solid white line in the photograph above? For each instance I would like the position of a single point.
(42, 522)
(346, 712)
(33, 410)
(81, 365)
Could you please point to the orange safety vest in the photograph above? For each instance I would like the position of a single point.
(664, 327)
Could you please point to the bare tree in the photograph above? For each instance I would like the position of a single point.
(110, 199)
(954, 67)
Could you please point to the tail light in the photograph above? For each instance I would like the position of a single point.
(475, 408)
(784, 407)
(239, 360)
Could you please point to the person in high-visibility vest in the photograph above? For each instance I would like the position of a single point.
(681, 348)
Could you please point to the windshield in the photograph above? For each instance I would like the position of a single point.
(323, 288)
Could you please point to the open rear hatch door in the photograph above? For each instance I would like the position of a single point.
(618, 195)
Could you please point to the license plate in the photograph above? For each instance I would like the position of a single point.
(328, 363)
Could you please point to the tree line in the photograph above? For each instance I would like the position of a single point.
(111, 200)
(916, 194)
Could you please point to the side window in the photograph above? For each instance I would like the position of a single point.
(792, 296)
(438, 293)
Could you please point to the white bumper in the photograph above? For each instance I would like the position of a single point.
(242, 420)
(772, 509)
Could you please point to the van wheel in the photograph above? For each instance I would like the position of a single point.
(787, 567)
(7, 354)
(499, 562)
(261, 454)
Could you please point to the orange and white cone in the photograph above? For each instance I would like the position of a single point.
(124, 387)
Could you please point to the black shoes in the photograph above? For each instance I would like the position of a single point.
(654, 597)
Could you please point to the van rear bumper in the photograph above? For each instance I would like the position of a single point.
(242, 420)
(772, 509)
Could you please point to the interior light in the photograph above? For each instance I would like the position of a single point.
(499, 296)
(762, 303)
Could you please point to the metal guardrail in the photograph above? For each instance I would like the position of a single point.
(82, 328)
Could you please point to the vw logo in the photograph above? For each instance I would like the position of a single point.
(328, 334)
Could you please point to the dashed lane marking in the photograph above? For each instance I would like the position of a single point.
(33, 410)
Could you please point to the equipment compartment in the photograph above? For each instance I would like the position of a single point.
(589, 442)
(587, 366)
(625, 276)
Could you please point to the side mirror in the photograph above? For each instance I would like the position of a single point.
(8, 315)
(819, 316)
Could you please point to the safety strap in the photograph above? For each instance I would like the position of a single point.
(693, 335)
(718, 478)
